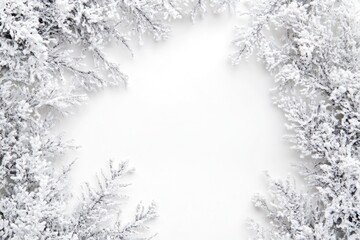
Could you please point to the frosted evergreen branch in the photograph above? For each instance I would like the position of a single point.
(36, 42)
(312, 50)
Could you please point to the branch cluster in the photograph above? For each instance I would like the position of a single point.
(312, 50)
(45, 46)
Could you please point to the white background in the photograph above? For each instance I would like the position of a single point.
(199, 132)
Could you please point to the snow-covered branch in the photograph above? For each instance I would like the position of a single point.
(312, 50)
(42, 77)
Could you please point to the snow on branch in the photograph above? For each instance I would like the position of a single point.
(42, 78)
(312, 50)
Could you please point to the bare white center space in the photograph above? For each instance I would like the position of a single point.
(199, 132)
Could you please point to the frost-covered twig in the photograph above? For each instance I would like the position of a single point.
(312, 50)
(41, 77)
